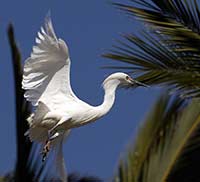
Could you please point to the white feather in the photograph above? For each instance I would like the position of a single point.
(48, 68)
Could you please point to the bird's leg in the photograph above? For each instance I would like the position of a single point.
(52, 137)
(46, 148)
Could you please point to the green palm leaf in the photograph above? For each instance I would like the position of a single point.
(167, 145)
(177, 19)
(167, 52)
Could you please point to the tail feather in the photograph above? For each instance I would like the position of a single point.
(60, 162)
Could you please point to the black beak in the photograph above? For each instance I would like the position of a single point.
(140, 83)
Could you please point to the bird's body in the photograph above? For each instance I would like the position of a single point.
(46, 81)
(68, 113)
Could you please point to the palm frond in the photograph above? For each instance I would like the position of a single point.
(167, 145)
(178, 20)
(149, 132)
(175, 150)
(167, 52)
(22, 111)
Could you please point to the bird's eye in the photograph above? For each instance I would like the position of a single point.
(127, 77)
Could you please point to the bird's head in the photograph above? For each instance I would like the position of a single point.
(122, 80)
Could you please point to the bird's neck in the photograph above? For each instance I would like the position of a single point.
(109, 98)
(101, 110)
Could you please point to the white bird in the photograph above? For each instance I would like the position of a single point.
(46, 81)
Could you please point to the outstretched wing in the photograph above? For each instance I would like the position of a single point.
(47, 70)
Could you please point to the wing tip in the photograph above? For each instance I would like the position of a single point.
(48, 17)
(49, 26)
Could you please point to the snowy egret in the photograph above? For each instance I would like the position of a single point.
(46, 81)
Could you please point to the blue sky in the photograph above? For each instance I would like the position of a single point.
(89, 27)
